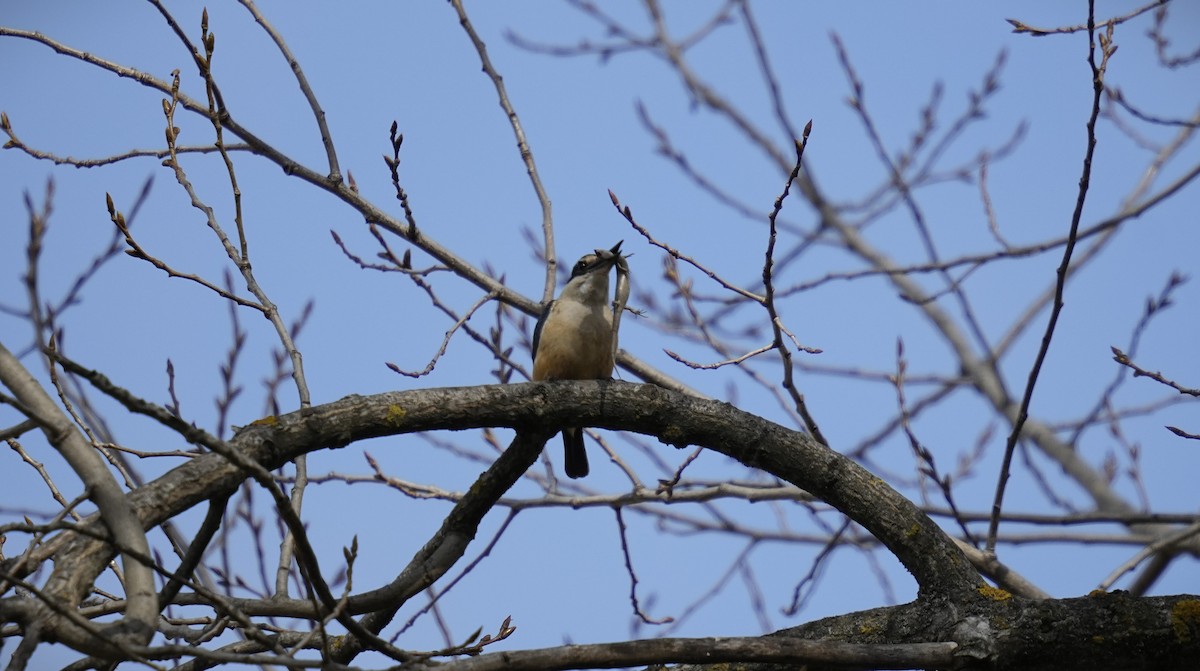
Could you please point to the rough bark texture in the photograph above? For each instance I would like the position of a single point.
(991, 628)
(674, 418)
(1104, 631)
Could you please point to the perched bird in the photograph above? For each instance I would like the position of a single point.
(573, 339)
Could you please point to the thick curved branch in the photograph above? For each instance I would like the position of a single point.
(933, 559)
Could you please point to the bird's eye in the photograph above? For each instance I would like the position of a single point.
(583, 265)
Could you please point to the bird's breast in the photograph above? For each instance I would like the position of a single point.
(575, 344)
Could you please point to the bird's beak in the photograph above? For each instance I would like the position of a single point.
(610, 256)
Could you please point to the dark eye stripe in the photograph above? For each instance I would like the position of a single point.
(584, 264)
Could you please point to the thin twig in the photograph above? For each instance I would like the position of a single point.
(1162, 544)
(633, 580)
(628, 214)
(1022, 412)
(335, 173)
(522, 146)
(1116, 96)
(768, 301)
(809, 579)
(1019, 27)
(929, 465)
(1123, 359)
(900, 183)
(1161, 42)
(15, 143)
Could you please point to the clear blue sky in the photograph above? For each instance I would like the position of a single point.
(559, 573)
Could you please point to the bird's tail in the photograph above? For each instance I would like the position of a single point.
(574, 455)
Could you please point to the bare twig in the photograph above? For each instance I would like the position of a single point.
(633, 579)
(522, 146)
(1115, 95)
(459, 323)
(1161, 545)
(769, 297)
(929, 466)
(900, 184)
(335, 173)
(1019, 27)
(1183, 434)
(1022, 412)
(1123, 359)
(103, 490)
(436, 595)
(15, 143)
(1154, 306)
(1161, 43)
(628, 214)
(799, 596)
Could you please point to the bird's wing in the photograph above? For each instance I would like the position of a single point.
(537, 330)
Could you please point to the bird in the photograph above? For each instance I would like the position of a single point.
(573, 339)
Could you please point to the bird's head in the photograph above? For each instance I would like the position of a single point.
(598, 261)
(589, 275)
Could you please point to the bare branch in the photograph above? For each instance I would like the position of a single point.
(335, 173)
(793, 652)
(1123, 359)
(137, 626)
(1019, 27)
(769, 297)
(633, 579)
(522, 146)
(1022, 412)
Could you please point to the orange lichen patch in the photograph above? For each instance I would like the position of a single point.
(270, 420)
(994, 593)
(396, 414)
(1185, 619)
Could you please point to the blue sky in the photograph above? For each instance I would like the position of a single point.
(559, 572)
